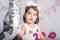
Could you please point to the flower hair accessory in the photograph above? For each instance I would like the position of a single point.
(31, 3)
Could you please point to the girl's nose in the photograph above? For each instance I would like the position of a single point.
(32, 15)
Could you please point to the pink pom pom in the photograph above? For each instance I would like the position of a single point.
(52, 35)
(44, 34)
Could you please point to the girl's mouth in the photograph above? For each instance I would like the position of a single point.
(31, 19)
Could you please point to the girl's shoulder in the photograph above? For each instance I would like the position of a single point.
(37, 25)
(23, 26)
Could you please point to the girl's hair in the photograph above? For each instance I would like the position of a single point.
(26, 10)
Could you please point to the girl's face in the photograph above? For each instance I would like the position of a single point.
(31, 15)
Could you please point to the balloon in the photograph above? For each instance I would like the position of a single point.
(52, 35)
(44, 34)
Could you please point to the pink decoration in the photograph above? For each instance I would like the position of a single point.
(47, 12)
(58, 3)
(3, 8)
(35, 1)
(30, 32)
(36, 36)
(53, 7)
(0, 7)
(44, 34)
(52, 35)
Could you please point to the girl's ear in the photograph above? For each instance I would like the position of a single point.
(24, 15)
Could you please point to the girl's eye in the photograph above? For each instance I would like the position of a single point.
(29, 13)
(35, 14)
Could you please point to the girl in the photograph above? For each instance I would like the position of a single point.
(30, 30)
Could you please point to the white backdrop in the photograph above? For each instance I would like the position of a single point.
(49, 15)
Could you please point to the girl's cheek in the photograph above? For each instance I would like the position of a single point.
(35, 17)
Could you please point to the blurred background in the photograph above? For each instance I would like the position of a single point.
(49, 16)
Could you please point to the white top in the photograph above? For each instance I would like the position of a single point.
(31, 33)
